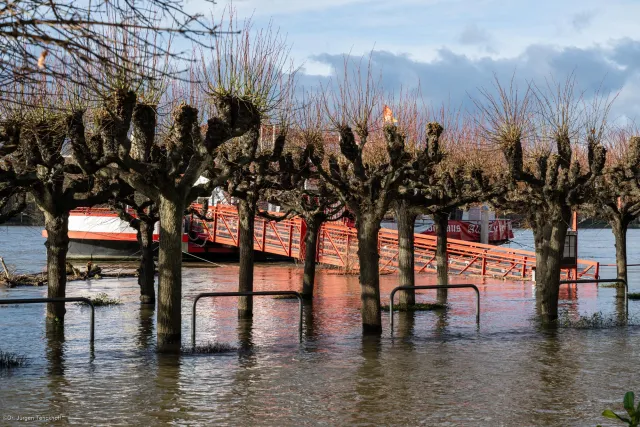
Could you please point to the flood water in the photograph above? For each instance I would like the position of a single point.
(435, 369)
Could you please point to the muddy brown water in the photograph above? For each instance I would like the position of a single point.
(435, 369)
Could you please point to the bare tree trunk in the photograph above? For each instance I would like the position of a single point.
(170, 274)
(442, 260)
(368, 257)
(619, 227)
(146, 276)
(310, 247)
(246, 220)
(406, 228)
(549, 239)
(57, 244)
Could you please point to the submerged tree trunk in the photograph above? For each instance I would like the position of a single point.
(619, 227)
(246, 220)
(442, 262)
(368, 257)
(406, 228)
(146, 276)
(170, 274)
(57, 244)
(549, 237)
(310, 247)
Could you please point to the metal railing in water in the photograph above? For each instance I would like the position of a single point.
(624, 282)
(408, 288)
(242, 294)
(63, 300)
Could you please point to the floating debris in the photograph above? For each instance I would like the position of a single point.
(209, 348)
(11, 360)
(102, 300)
(427, 306)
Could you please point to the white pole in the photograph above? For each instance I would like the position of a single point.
(273, 142)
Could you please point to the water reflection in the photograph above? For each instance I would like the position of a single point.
(435, 370)
(369, 382)
(442, 322)
(146, 330)
(622, 306)
(57, 384)
(406, 321)
(167, 391)
(308, 321)
(245, 336)
(559, 367)
(55, 348)
(247, 381)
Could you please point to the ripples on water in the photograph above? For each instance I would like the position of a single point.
(436, 369)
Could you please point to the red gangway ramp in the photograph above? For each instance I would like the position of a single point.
(338, 246)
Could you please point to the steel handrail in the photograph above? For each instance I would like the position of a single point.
(47, 300)
(624, 282)
(242, 294)
(409, 288)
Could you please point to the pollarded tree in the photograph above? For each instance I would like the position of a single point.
(310, 199)
(252, 68)
(246, 184)
(57, 186)
(546, 177)
(143, 220)
(412, 203)
(615, 193)
(366, 182)
(367, 191)
(245, 82)
(144, 149)
(299, 190)
(167, 178)
(436, 185)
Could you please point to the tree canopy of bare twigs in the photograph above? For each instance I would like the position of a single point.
(65, 40)
(166, 166)
(437, 184)
(353, 109)
(615, 195)
(58, 185)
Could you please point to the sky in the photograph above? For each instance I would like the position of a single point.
(451, 48)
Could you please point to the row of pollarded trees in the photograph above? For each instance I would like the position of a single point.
(540, 153)
(140, 144)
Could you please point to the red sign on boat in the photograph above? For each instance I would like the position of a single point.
(499, 230)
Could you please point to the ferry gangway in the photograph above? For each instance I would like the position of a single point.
(338, 246)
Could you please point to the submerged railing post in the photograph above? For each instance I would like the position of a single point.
(243, 294)
(408, 288)
(624, 282)
(48, 300)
